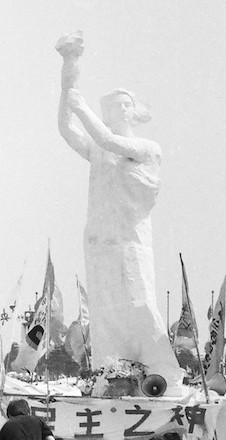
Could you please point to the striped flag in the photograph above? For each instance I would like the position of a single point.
(214, 354)
(83, 304)
(184, 336)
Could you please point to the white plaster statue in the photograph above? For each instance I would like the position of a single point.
(124, 183)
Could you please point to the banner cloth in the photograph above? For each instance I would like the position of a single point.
(127, 419)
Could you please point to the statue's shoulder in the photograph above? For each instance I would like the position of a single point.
(151, 147)
(154, 146)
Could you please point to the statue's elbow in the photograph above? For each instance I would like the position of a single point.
(64, 134)
(62, 129)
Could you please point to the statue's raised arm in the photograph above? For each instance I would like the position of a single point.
(121, 111)
(71, 48)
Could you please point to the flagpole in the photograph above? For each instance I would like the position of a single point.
(195, 334)
(212, 301)
(47, 352)
(83, 336)
(167, 313)
(47, 342)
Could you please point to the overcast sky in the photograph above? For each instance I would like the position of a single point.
(172, 55)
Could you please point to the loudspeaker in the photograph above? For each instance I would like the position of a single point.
(154, 385)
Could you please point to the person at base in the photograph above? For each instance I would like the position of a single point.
(23, 426)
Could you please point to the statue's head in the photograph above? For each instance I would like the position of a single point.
(121, 106)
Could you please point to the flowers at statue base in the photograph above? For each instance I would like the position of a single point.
(115, 367)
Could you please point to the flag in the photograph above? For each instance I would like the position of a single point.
(187, 323)
(83, 304)
(57, 328)
(215, 349)
(77, 341)
(35, 344)
(11, 316)
(2, 368)
(210, 313)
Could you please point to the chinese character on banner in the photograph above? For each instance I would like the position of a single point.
(145, 414)
(195, 416)
(177, 415)
(89, 423)
(42, 412)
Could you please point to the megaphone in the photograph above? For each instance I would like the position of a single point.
(154, 385)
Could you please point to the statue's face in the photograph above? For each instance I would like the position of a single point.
(122, 109)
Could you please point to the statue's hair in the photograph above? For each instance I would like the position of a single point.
(18, 407)
(141, 111)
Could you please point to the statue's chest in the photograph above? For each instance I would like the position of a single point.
(105, 167)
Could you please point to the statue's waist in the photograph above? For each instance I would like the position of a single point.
(117, 235)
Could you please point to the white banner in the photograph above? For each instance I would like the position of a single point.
(127, 419)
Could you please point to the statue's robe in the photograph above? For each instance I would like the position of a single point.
(124, 318)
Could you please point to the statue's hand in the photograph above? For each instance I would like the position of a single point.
(75, 100)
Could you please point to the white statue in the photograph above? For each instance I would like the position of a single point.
(124, 183)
